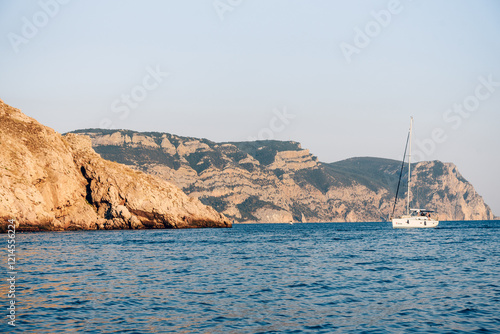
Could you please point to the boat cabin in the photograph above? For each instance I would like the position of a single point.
(421, 213)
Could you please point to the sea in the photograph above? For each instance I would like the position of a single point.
(259, 278)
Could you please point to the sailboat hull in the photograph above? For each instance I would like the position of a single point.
(414, 222)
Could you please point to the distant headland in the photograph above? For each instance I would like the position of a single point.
(279, 181)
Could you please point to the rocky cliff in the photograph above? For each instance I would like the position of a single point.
(276, 181)
(54, 182)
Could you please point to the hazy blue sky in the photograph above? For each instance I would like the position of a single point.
(341, 77)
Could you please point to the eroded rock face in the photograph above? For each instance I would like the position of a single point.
(450, 194)
(276, 182)
(54, 182)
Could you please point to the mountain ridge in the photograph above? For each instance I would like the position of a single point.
(279, 181)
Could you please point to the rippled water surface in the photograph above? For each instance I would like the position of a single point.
(317, 278)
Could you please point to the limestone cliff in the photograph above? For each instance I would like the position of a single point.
(54, 182)
(275, 181)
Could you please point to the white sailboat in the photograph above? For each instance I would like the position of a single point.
(414, 218)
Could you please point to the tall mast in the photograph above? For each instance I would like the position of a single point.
(409, 171)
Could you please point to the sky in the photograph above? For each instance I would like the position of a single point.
(342, 78)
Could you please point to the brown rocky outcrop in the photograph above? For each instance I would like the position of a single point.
(54, 182)
(276, 182)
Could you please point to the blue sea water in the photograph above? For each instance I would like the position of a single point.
(301, 278)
